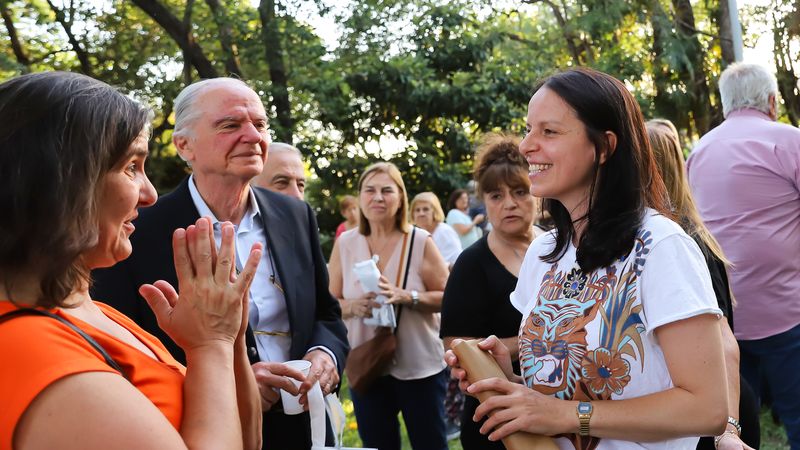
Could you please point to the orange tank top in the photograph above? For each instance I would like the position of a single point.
(36, 351)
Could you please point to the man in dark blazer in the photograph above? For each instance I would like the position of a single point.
(221, 131)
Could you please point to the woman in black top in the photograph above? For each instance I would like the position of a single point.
(742, 407)
(476, 303)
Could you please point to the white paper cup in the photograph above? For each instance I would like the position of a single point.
(291, 403)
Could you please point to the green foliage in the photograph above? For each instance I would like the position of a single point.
(413, 82)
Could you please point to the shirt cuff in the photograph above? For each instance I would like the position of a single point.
(326, 350)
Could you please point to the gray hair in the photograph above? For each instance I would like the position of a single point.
(744, 85)
(280, 147)
(185, 112)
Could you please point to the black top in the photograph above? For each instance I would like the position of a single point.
(476, 300)
(476, 304)
(719, 281)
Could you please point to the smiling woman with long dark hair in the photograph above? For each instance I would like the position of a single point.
(619, 345)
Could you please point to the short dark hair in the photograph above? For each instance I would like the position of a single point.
(498, 161)
(451, 202)
(60, 133)
(624, 185)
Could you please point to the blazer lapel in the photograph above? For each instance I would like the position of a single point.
(280, 241)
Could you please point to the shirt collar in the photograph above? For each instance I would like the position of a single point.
(748, 112)
(202, 208)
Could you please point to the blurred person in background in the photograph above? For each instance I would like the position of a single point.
(475, 303)
(348, 208)
(742, 408)
(745, 178)
(426, 213)
(283, 171)
(458, 218)
(416, 379)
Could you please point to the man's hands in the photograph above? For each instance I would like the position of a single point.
(323, 370)
(272, 376)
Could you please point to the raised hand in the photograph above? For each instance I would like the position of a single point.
(209, 307)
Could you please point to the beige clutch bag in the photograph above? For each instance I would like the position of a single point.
(480, 365)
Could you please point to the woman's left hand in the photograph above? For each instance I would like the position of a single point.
(516, 407)
(394, 295)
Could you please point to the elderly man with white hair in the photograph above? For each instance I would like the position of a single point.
(283, 171)
(221, 131)
(745, 176)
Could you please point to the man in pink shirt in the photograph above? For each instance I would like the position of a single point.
(745, 176)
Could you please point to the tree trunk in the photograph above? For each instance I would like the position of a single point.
(695, 78)
(187, 24)
(725, 34)
(161, 15)
(277, 70)
(16, 44)
(787, 80)
(83, 55)
(229, 48)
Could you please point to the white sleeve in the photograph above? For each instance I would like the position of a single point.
(675, 283)
(524, 292)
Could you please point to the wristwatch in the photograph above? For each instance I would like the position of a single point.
(414, 298)
(584, 411)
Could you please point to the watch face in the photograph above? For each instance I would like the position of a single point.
(584, 407)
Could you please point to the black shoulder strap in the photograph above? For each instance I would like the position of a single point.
(405, 276)
(38, 312)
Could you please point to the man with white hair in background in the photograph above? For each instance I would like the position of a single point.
(283, 171)
(221, 131)
(745, 177)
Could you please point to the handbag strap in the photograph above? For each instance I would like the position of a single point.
(38, 312)
(403, 268)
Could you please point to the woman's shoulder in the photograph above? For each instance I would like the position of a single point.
(455, 214)
(656, 227)
(349, 236)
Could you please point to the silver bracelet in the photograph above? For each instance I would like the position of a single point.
(736, 425)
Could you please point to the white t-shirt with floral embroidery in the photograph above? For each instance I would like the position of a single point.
(590, 336)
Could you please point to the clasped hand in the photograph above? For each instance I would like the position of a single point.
(394, 295)
(210, 305)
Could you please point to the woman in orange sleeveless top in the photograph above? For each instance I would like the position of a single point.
(72, 153)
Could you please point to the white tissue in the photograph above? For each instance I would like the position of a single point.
(369, 275)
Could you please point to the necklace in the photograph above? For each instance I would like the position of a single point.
(376, 256)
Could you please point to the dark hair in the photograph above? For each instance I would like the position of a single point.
(451, 202)
(59, 135)
(498, 161)
(624, 185)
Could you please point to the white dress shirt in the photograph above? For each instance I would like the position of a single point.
(268, 311)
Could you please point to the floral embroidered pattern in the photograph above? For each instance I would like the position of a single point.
(605, 373)
(575, 283)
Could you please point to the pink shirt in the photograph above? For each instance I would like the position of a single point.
(745, 177)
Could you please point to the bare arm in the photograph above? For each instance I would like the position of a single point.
(695, 406)
(434, 276)
(247, 397)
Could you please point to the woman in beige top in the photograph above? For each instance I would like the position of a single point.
(415, 381)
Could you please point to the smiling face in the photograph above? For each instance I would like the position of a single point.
(121, 191)
(558, 150)
(229, 139)
(379, 198)
(510, 209)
